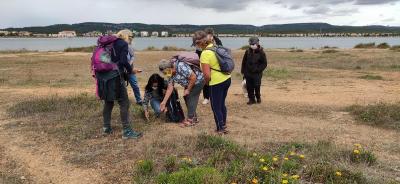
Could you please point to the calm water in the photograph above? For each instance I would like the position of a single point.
(57, 44)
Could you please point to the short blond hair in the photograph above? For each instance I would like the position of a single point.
(125, 34)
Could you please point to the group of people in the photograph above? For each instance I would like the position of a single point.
(158, 91)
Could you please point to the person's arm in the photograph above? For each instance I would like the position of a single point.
(124, 58)
(244, 62)
(146, 100)
(262, 63)
(192, 82)
(168, 93)
(207, 72)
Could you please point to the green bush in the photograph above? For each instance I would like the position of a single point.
(151, 48)
(172, 48)
(145, 167)
(170, 164)
(383, 46)
(245, 47)
(395, 48)
(80, 49)
(365, 46)
(200, 175)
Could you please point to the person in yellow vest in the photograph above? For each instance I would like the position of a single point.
(219, 82)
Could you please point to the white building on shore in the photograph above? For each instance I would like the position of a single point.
(144, 34)
(164, 34)
(66, 34)
(154, 34)
(4, 33)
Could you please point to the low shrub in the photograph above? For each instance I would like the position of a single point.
(383, 46)
(80, 49)
(380, 114)
(371, 77)
(365, 46)
(172, 48)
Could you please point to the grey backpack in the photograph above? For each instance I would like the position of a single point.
(225, 59)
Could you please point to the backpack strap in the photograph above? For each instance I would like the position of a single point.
(214, 49)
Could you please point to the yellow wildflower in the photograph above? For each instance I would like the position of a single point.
(275, 159)
(292, 153)
(284, 175)
(286, 158)
(254, 154)
(356, 152)
(262, 160)
(302, 156)
(358, 146)
(285, 181)
(265, 168)
(254, 181)
(295, 177)
(338, 173)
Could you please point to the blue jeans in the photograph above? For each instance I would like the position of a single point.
(136, 91)
(155, 104)
(218, 95)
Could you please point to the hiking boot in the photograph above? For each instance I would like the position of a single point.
(251, 102)
(107, 130)
(131, 134)
(258, 100)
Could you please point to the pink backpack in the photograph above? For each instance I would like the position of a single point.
(189, 58)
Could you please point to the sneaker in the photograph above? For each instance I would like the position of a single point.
(131, 134)
(206, 101)
(107, 130)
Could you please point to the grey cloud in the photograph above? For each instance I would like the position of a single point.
(374, 2)
(220, 5)
(321, 10)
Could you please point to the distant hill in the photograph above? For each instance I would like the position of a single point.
(222, 28)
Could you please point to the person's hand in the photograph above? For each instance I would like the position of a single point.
(186, 92)
(162, 107)
(135, 71)
(147, 115)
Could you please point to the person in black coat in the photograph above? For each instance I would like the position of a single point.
(253, 65)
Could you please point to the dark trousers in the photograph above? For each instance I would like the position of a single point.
(206, 92)
(123, 102)
(218, 95)
(253, 85)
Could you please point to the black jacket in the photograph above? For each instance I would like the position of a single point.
(254, 63)
(121, 56)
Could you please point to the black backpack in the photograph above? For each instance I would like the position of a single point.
(175, 112)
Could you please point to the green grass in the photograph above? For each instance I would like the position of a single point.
(277, 73)
(329, 51)
(80, 49)
(381, 114)
(395, 48)
(199, 175)
(245, 47)
(371, 77)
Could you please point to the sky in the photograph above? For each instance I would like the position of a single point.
(25, 13)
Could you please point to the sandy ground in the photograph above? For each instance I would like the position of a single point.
(293, 109)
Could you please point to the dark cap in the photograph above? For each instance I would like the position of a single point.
(253, 40)
(198, 36)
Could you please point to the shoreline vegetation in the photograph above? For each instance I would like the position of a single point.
(325, 49)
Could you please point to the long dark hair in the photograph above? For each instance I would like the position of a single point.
(155, 78)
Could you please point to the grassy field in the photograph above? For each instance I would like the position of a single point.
(328, 116)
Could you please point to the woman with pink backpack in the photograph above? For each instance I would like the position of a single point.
(111, 68)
